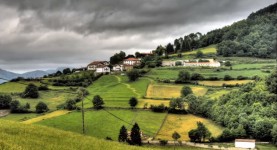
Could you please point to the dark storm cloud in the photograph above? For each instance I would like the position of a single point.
(78, 31)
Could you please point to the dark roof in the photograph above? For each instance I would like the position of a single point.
(97, 63)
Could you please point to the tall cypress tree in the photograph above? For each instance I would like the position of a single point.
(135, 135)
(123, 135)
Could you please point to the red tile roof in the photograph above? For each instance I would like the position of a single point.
(132, 59)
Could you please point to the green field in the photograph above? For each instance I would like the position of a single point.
(101, 124)
(16, 136)
(183, 124)
(15, 87)
(172, 72)
(116, 90)
(220, 83)
(160, 91)
(20, 117)
(206, 50)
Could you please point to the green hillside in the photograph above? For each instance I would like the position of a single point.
(17, 136)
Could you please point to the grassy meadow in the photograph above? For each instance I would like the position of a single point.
(167, 91)
(183, 124)
(101, 124)
(17, 136)
(116, 90)
(220, 83)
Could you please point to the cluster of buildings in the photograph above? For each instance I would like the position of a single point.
(106, 67)
(191, 63)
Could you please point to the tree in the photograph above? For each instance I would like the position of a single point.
(5, 101)
(228, 64)
(123, 135)
(136, 135)
(169, 48)
(194, 136)
(133, 75)
(262, 129)
(199, 54)
(196, 76)
(41, 107)
(176, 103)
(70, 104)
(227, 78)
(176, 136)
(15, 104)
(183, 76)
(271, 82)
(200, 133)
(97, 102)
(66, 71)
(274, 134)
(31, 91)
(133, 102)
(186, 90)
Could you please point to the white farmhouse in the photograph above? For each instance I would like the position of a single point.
(95, 64)
(197, 63)
(117, 67)
(245, 143)
(131, 61)
(103, 69)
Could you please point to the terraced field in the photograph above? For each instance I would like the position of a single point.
(183, 124)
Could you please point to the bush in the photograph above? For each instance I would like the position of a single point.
(16, 107)
(163, 142)
(31, 91)
(227, 64)
(133, 75)
(133, 102)
(159, 108)
(196, 76)
(70, 104)
(41, 107)
(213, 78)
(241, 78)
(97, 102)
(43, 87)
(177, 111)
(227, 78)
(186, 91)
(178, 63)
(5, 101)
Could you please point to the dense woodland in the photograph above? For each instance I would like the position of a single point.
(252, 37)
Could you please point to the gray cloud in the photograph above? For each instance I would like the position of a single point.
(74, 32)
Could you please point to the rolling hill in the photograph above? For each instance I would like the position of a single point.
(16, 136)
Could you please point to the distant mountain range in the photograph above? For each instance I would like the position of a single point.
(32, 74)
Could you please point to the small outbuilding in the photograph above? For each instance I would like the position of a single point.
(245, 143)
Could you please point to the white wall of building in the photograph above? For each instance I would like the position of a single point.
(245, 145)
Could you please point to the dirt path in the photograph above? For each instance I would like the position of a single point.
(46, 116)
(4, 112)
(128, 86)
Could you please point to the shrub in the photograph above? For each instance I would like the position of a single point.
(5, 101)
(178, 63)
(133, 102)
(41, 107)
(70, 104)
(43, 87)
(159, 108)
(241, 78)
(16, 107)
(31, 91)
(133, 75)
(186, 91)
(196, 76)
(97, 102)
(227, 64)
(227, 78)
(213, 78)
(163, 142)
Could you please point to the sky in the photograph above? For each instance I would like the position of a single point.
(47, 34)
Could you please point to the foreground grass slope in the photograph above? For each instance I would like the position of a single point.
(17, 136)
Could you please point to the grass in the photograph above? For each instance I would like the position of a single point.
(183, 147)
(15, 136)
(101, 124)
(116, 90)
(218, 93)
(183, 124)
(206, 50)
(172, 72)
(20, 117)
(15, 87)
(46, 116)
(265, 147)
(220, 83)
(51, 98)
(171, 90)
(152, 102)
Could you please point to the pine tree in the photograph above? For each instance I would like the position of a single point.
(123, 135)
(135, 135)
